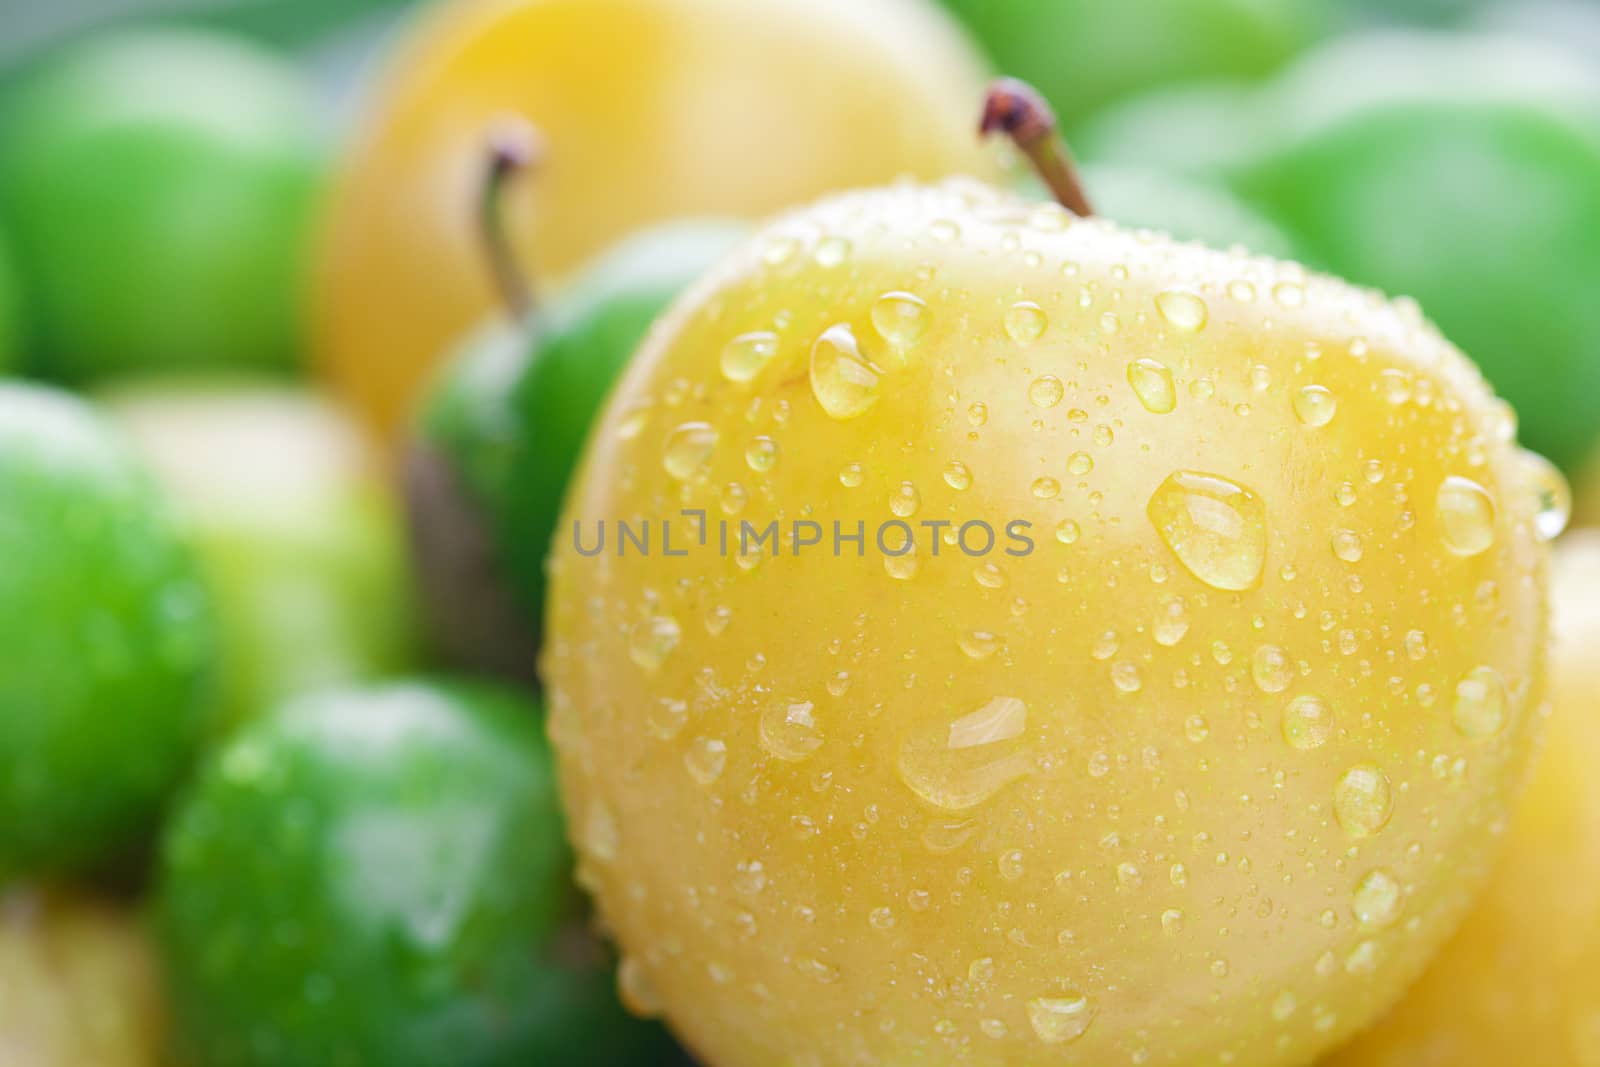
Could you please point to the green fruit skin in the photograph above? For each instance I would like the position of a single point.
(10, 315)
(1187, 208)
(108, 635)
(1085, 54)
(378, 877)
(513, 417)
(298, 535)
(159, 189)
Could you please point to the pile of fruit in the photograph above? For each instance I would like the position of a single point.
(694, 531)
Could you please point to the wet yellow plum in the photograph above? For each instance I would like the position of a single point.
(78, 984)
(1520, 983)
(652, 109)
(1129, 729)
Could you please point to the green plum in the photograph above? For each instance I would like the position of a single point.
(108, 635)
(297, 531)
(503, 428)
(378, 877)
(159, 189)
(1085, 54)
(10, 314)
(1188, 208)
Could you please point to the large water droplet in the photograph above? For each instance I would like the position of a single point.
(1216, 528)
(745, 355)
(1046, 391)
(958, 765)
(1182, 309)
(1552, 497)
(705, 759)
(1060, 1020)
(1307, 723)
(1152, 384)
(1271, 669)
(1362, 800)
(1376, 899)
(688, 447)
(1480, 706)
(652, 641)
(1315, 405)
(789, 730)
(1466, 516)
(900, 318)
(843, 381)
(1025, 322)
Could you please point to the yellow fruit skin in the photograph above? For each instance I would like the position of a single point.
(1157, 875)
(650, 109)
(1586, 495)
(1520, 983)
(78, 984)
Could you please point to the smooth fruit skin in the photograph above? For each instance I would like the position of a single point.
(377, 878)
(159, 187)
(10, 314)
(1186, 207)
(651, 109)
(1086, 54)
(109, 637)
(1519, 982)
(507, 420)
(296, 529)
(78, 983)
(1118, 798)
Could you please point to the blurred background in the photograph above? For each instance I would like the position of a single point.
(243, 254)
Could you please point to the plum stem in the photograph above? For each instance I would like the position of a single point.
(514, 146)
(1015, 108)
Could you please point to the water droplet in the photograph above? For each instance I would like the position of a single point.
(1362, 801)
(1025, 321)
(1171, 623)
(1046, 392)
(761, 455)
(1080, 463)
(844, 383)
(957, 476)
(904, 500)
(749, 877)
(816, 970)
(1347, 545)
(666, 718)
(1395, 385)
(1059, 1020)
(687, 448)
(1045, 488)
(1480, 707)
(705, 758)
(832, 251)
(745, 355)
(1307, 723)
(1466, 516)
(1315, 405)
(977, 413)
(1216, 528)
(1152, 384)
(635, 990)
(1552, 497)
(1010, 865)
(789, 730)
(1376, 899)
(1284, 1005)
(1125, 676)
(903, 567)
(1182, 309)
(958, 765)
(600, 832)
(1271, 669)
(851, 476)
(979, 644)
(1172, 921)
(1289, 294)
(1067, 531)
(900, 318)
(652, 641)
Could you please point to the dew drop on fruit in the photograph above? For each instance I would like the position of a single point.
(705, 759)
(844, 383)
(851, 476)
(688, 448)
(1376, 898)
(1271, 669)
(1080, 463)
(1152, 384)
(1046, 392)
(1552, 497)
(1060, 1020)
(1315, 405)
(1347, 545)
(1183, 309)
(789, 730)
(1067, 532)
(1025, 322)
(635, 990)
(958, 765)
(978, 644)
(745, 355)
(900, 318)
(1216, 528)
(1172, 623)
(652, 641)
(1362, 800)
(957, 476)
(1466, 516)
(1307, 723)
(761, 455)
(1480, 704)
(1289, 294)
(1045, 488)
(904, 500)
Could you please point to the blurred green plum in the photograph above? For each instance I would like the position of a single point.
(1086, 54)
(297, 531)
(379, 877)
(158, 187)
(108, 633)
(10, 315)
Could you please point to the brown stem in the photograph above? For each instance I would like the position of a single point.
(1016, 109)
(514, 146)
